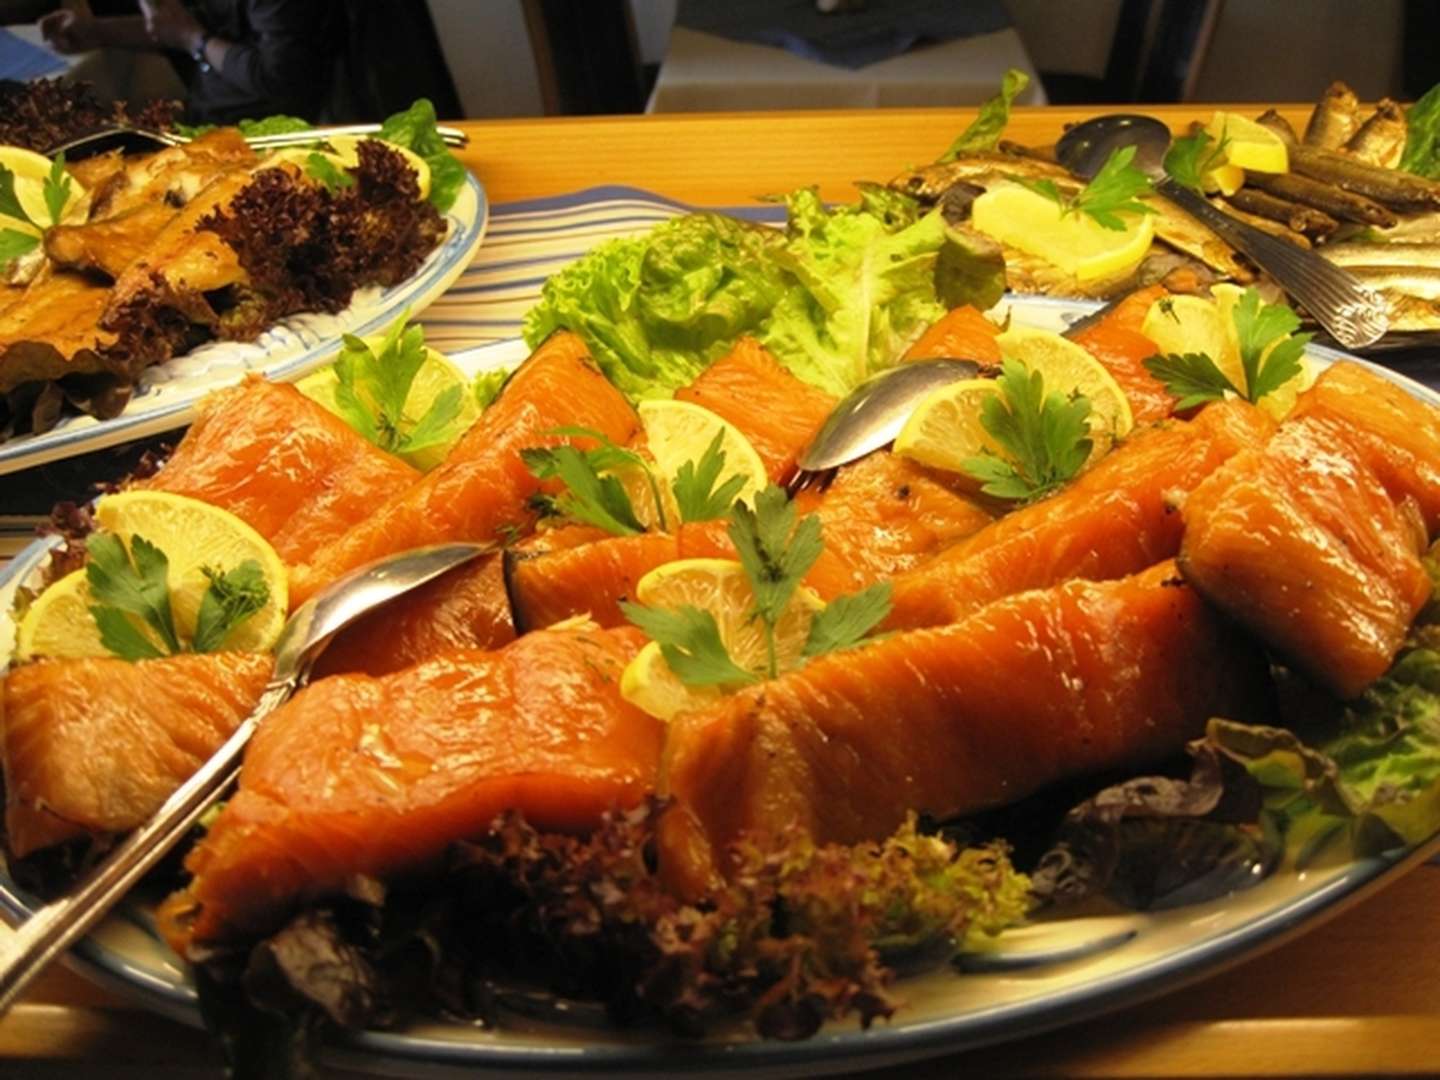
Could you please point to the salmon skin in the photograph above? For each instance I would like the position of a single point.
(1305, 542)
(881, 515)
(363, 776)
(465, 608)
(96, 745)
(1116, 519)
(776, 411)
(1032, 689)
(296, 473)
(483, 488)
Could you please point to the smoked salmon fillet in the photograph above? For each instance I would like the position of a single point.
(881, 515)
(97, 745)
(465, 608)
(776, 411)
(483, 488)
(1116, 519)
(1308, 545)
(963, 333)
(1043, 685)
(296, 473)
(363, 776)
(1116, 341)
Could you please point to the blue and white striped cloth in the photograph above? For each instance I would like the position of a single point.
(528, 241)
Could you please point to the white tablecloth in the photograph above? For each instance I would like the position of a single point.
(705, 73)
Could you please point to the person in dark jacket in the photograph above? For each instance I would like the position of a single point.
(239, 58)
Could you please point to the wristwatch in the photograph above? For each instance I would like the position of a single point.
(198, 53)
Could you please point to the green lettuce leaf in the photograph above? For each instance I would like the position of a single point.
(1422, 135)
(656, 309)
(416, 129)
(984, 133)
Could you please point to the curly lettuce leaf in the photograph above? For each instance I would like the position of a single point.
(985, 131)
(656, 309)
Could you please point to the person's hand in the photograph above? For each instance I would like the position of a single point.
(70, 31)
(171, 26)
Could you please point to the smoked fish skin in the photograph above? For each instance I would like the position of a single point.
(358, 775)
(483, 486)
(96, 745)
(1040, 686)
(776, 411)
(1116, 519)
(1307, 545)
(296, 473)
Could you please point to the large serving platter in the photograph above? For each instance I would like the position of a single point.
(166, 394)
(1058, 971)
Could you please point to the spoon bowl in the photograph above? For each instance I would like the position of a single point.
(1086, 147)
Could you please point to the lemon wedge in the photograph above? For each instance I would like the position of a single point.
(31, 170)
(193, 535)
(343, 154)
(1226, 179)
(945, 430)
(436, 375)
(677, 432)
(720, 587)
(1075, 242)
(1252, 145)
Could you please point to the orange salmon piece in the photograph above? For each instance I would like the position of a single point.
(483, 486)
(1043, 685)
(296, 473)
(378, 776)
(1116, 341)
(963, 333)
(776, 411)
(1392, 432)
(881, 515)
(96, 745)
(1116, 519)
(465, 608)
(1305, 544)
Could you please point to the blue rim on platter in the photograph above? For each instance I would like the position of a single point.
(1012, 994)
(166, 394)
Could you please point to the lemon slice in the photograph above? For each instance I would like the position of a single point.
(677, 432)
(193, 535)
(1226, 179)
(31, 170)
(1281, 400)
(945, 430)
(1069, 368)
(720, 587)
(1193, 324)
(1252, 145)
(436, 375)
(1075, 242)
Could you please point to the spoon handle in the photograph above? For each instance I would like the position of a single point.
(1354, 315)
(55, 927)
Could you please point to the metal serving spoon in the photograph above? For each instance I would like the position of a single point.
(125, 136)
(1354, 315)
(58, 925)
(873, 413)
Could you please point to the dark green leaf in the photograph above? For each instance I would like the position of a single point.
(694, 485)
(1422, 138)
(320, 168)
(13, 244)
(232, 597)
(775, 552)
(589, 497)
(57, 189)
(121, 636)
(985, 131)
(1045, 437)
(1115, 190)
(9, 203)
(689, 640)
(1193, 378)
(139, 588)
(1258, 326)
(847, 619)
(417, 129)
(1045, 188)
(1191, 157)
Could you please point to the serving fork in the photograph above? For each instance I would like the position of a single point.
(128, 135)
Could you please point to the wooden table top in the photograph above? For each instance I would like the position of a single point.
(1354, 997)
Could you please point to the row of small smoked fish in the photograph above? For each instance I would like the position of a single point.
(1096, 630)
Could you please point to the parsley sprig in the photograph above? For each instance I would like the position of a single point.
(1191, 157)
(374, 385)
(776, 551)
(14, 242)
(1115, 190)
(1045, 436)
(132, 594)
(1271, 354)
(695, 485)
(320, 168)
